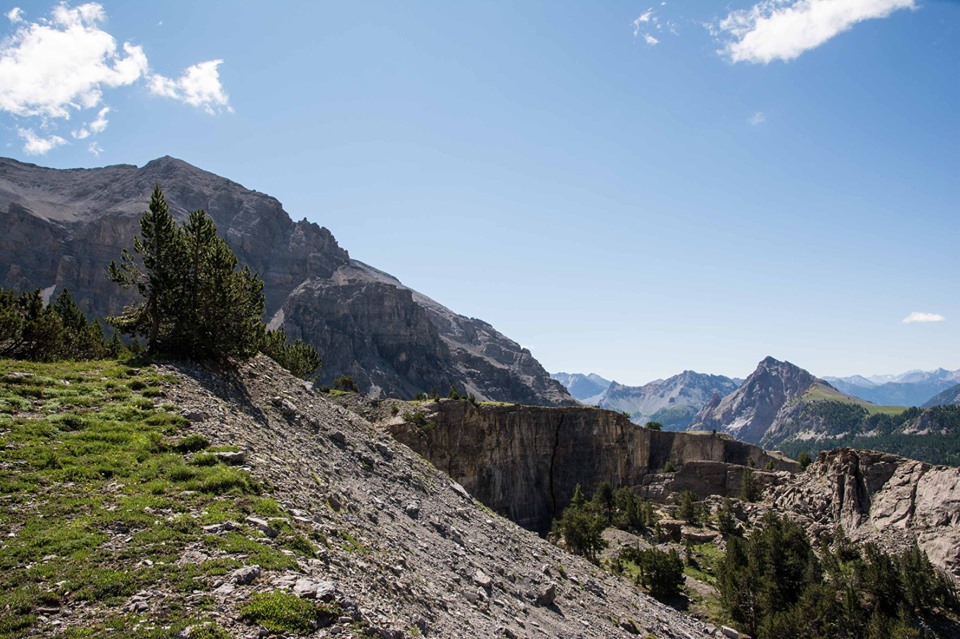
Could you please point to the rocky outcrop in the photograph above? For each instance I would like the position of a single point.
(524, 462)
(60, 228)
(878, 497)
(673, 402)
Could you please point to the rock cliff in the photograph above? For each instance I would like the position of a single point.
(60, 228)
(878, 497)
(524, 462)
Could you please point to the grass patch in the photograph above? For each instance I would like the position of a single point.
(284, 612)
(819, 392)
(103, 491)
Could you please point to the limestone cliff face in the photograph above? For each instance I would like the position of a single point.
(524, 462)
(879, 497)
(60, 228)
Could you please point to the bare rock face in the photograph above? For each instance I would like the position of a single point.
(879, 497)
(61, 228)
(524, 462)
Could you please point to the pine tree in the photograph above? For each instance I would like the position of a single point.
(81, 339)
(196, 303)
(158, 277)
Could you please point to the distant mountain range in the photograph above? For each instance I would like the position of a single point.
(913, 388)
(586, 389)
(60, 228)
(673, 402)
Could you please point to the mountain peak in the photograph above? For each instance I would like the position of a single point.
(390, 339)
(748, 412)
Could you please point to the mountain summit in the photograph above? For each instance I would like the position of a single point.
(60, 228)
(751, 411)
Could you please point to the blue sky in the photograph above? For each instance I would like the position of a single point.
(629, 188)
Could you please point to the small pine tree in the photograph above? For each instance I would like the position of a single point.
(749, 489)
(726, 523)
(345, 384)
(298, 357)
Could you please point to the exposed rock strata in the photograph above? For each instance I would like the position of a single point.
(879, 497)
(524, 462)
(60, 228)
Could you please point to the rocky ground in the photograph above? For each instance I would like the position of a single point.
(408, 552)
(878, 497)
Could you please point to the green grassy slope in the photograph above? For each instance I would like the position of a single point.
(102, 491)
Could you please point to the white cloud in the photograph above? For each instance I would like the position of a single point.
(55, 67)
(757, 118)
(51, 67)
(923, 318)
(199, 86)
(95, 149)
(98, 125)
(36, 145)
(644, 17)
(649, 39)
(784, 29)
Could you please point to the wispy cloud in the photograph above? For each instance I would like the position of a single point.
(199, 86)
(923, 318)
(757, 118)
(34, 144)
(784, 29)
(650, 28)
(58, 66)
(95, 149)
(98, 125)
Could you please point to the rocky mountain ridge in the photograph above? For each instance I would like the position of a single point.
(752, 413)
(585, 388)
(673, 402)
(951, 396)
(60, 229)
